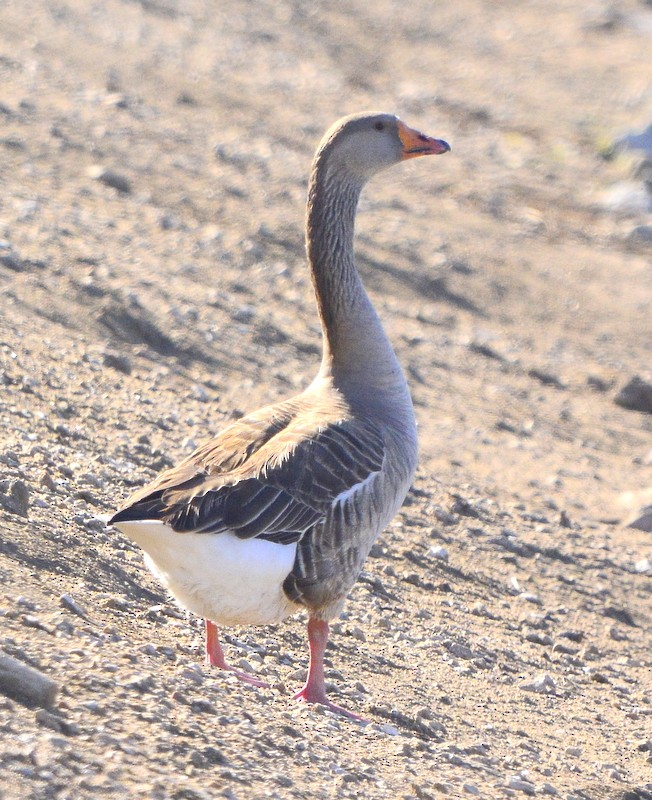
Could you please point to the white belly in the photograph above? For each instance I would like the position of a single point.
(219, 577)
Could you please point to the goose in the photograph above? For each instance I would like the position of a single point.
(278, 513)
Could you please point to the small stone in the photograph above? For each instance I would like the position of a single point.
(460, 650)
(574, 636)
(26, 683)
(49, 720)
(640, 234)
(546, 378)
(14, 497)
(539, 638)
(636, 395)
(542, 684)
(642, 520)
(245, 665)
(643, 566)
(110, 178)
(440, 553)
(576, 752)
(530, 597)
(68, 602)
(116, 602)
(203, 707)
(200, 393)
(548, 788)
(390, 730)
(521, 785)
(140, 683)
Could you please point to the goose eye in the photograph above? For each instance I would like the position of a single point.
(379, 126)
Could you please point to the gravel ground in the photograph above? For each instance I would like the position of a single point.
(153, 164)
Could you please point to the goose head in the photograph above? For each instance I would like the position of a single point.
(361, 145)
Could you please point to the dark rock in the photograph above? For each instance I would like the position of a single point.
(110, 178)
(642, 520)
(486, 350)
(12, 262)
(636, 395)
(26, 683)
(641, 234)
(14, 497)
(546, 378)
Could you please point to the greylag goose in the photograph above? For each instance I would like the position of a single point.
(279, 511)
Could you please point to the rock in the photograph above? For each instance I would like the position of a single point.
(14, 497)
(67, 602)
(641, 234)
(25, 683)
(642, 520)
(643, 566)
(539, 638)
(140, 683)
(546, 378)
(440, 553)
(390, 730)
(636, 395)
(110, 178)
(521, 785)
(542, 684)
(459, 650)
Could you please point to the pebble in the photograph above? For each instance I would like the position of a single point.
(640, 234)
(521, 785)
(440, 553)
(14, 497)
(542, 684)
(459, 650)
(25, 682)
(539, 638)
(110, 178)
(385, 727)
(642, 521)
(66, 601)
(471, 788)
(140, 683)
(636, 395)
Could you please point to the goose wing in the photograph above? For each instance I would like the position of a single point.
(275, 475)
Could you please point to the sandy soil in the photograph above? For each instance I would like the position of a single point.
(153, 162)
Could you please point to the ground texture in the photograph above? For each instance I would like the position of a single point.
(153, 164)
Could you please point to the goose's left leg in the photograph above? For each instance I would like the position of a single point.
(314, 690)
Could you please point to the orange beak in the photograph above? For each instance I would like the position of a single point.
(418, 144)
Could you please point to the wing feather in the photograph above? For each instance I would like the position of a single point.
(274, 475)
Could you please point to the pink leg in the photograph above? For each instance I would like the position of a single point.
(314, 690)
(215, 656)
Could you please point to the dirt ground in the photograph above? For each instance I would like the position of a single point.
(153, 167)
